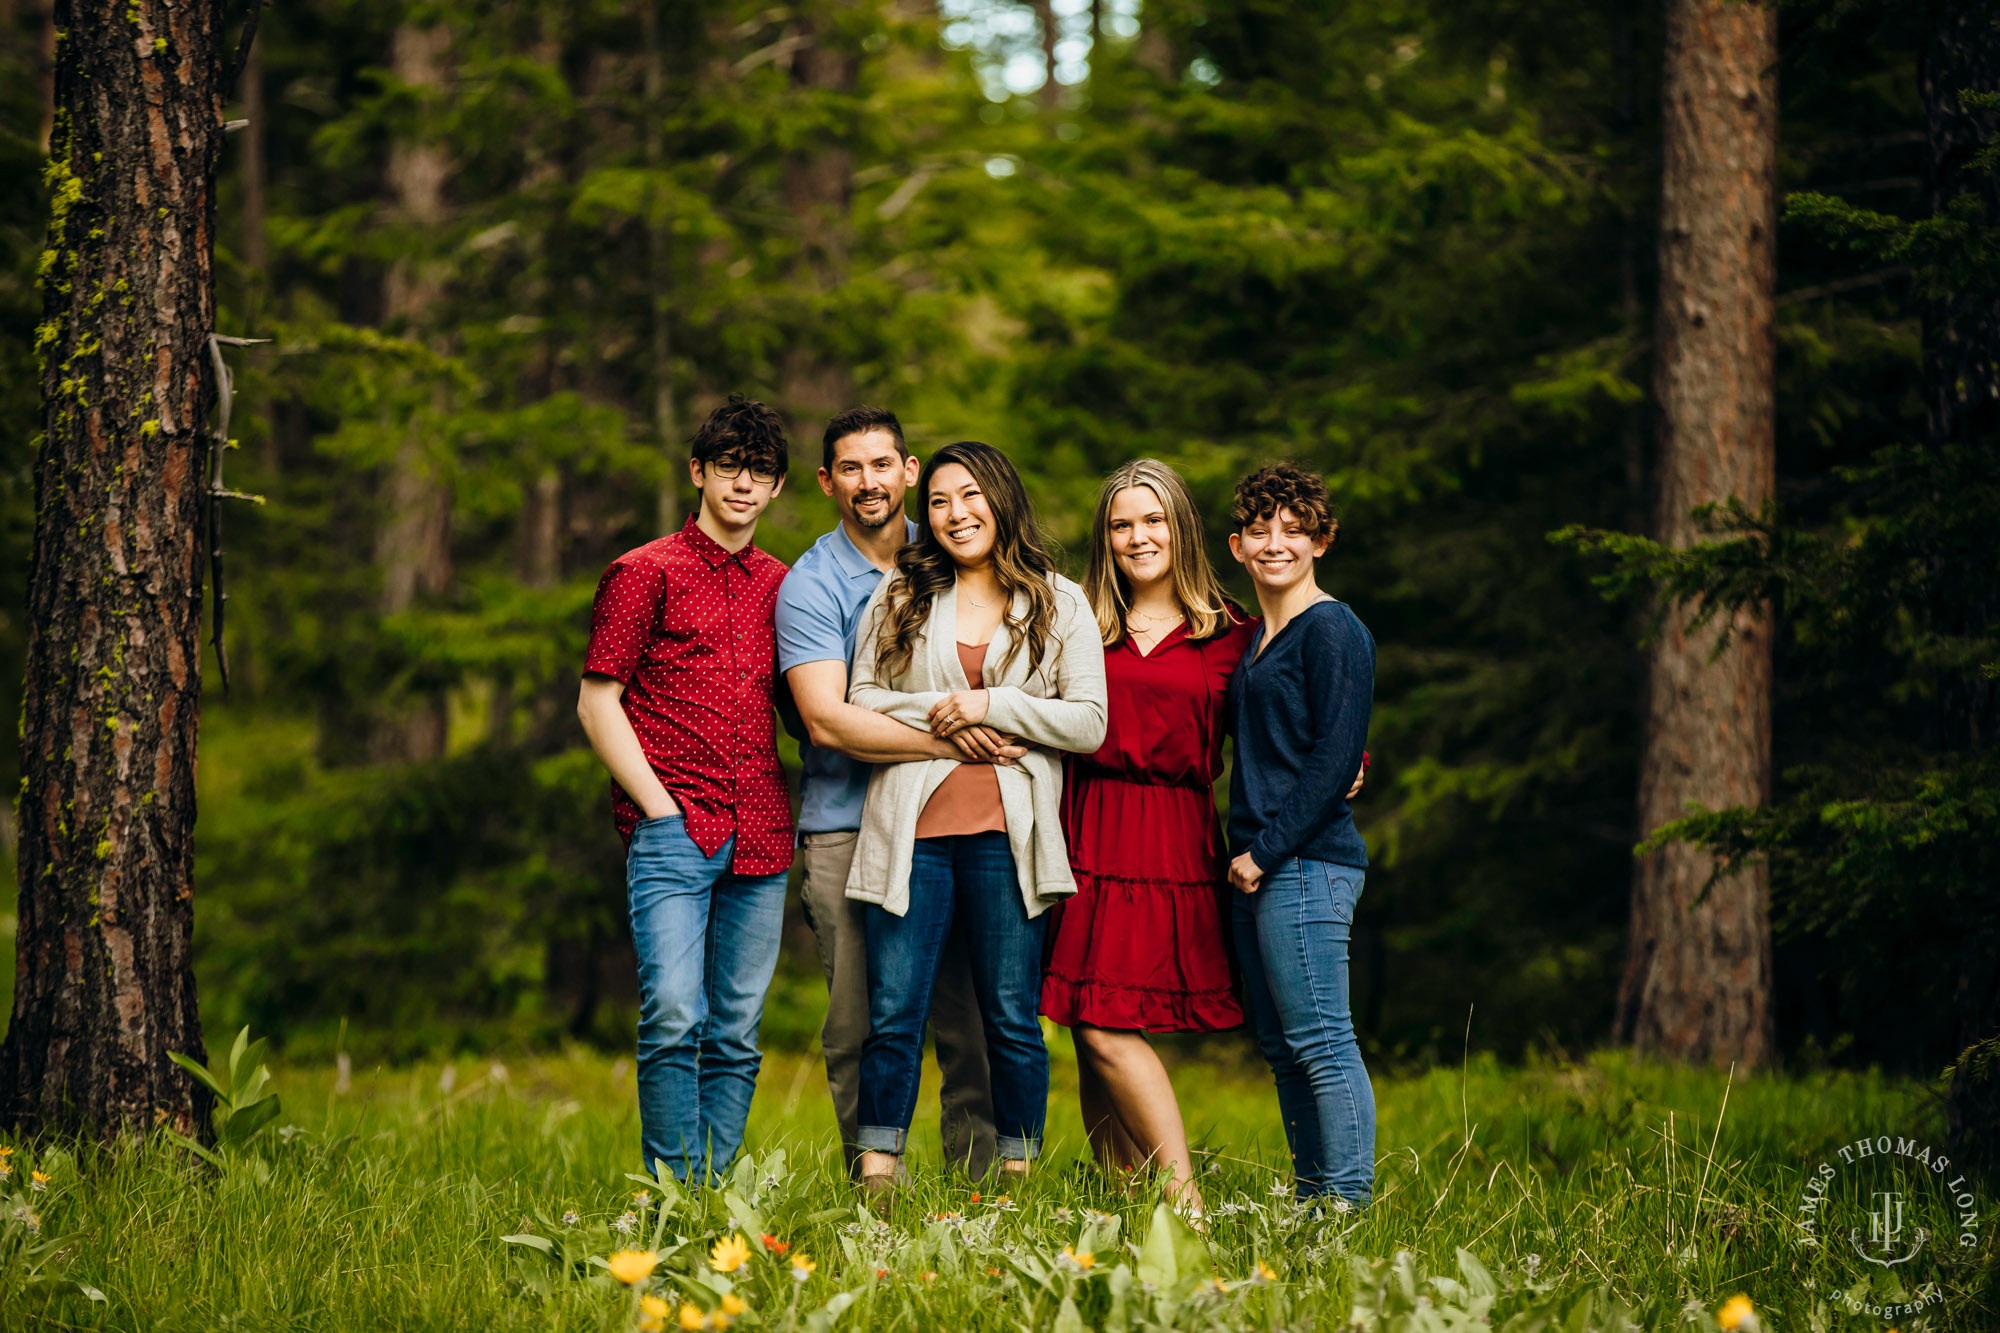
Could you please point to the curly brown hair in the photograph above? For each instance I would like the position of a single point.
(747, 429)
(1284, 486)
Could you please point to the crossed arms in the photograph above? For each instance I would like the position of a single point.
(832, 723)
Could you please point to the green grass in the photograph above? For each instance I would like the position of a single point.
(384, 1207)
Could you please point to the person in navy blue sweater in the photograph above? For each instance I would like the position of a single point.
(1298, 708)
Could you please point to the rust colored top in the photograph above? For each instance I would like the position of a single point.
(967, 801)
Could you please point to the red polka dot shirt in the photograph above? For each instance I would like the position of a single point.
(687, 627)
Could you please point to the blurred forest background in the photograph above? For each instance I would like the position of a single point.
(509, 251)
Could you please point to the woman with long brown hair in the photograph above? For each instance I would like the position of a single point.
(1142, 946)
(974, 637)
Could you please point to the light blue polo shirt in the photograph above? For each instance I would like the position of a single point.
(819, 609)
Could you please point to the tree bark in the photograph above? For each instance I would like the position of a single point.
(819, 191)
(1698, 969)
(1051, 31)
(413, 545)
(42, 13)
(104, 982)
(659, 270)
(256, 247)
(1962, 395)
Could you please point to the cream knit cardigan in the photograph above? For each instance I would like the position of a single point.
(1059, 707)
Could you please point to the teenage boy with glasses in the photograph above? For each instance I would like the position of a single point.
(677, 702)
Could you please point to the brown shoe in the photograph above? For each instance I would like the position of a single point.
(880, 1191)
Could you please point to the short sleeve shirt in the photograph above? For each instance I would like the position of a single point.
(819, 610)
(686, 626)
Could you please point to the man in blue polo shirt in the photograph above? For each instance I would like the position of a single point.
(866, 469)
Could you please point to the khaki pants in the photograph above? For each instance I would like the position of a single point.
(956, 1028)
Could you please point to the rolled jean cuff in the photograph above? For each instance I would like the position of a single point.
(1017, 1150)
(880, 1138)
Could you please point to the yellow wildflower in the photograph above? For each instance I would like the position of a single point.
(691, 1319)
(37, 1180)
(1265, 1273)
(1222, 1286)
(632, 1266)
(1737, 1313)
(802, 1267)
(1084, 1260)
(729, 1254)
(732, 1304)
(653, 1313)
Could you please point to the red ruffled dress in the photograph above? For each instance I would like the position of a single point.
(1144, 943)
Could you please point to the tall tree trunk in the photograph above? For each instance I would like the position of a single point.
(413, 545)
(1962, 393)
(1154, 51)
(256, 238)
(42, 14)
(1051, 30)
(256, 246)
(104, 981)
(1698, 970)
(819, 191)
(659, 269)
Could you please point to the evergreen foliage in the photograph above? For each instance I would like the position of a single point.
(1406, 243)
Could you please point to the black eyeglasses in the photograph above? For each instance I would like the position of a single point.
(729, 467)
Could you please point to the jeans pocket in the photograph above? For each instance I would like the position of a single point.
(1342, 886)
(658, 836)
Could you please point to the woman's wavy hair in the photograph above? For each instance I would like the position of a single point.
(1195, 585)
(924, 568)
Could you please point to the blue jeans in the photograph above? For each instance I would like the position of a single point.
(970, 877)
(1291, 936)
(707, 941)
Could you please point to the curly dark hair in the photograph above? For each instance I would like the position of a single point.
(746, 428)
(859, 421)
(1284, 486)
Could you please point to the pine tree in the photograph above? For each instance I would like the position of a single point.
(1697, 982)
(105, 987)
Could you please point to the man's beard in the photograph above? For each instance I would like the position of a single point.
(888, 510)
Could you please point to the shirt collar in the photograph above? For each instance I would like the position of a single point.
(711, 550)
(848, 556)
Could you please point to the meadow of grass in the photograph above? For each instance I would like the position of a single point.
(1600, 1194)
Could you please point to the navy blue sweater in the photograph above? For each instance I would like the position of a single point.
(1299, 713)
